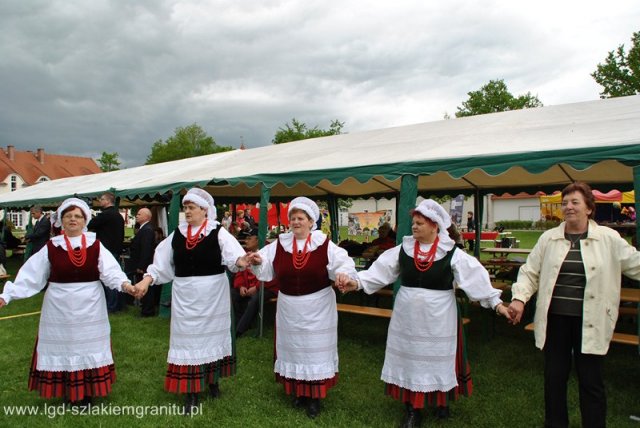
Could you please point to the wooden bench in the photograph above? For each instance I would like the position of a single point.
(622, 338)
(375, 312)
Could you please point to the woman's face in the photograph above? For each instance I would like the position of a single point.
(574, 209)
(423, 229)
(194, 214)
(73, 222)
(300, 223)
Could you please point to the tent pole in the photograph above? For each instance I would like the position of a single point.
(263, 228)
(332, 201)
(173, 216)
(478, 207)
(407, 202)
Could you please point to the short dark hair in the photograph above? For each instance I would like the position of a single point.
(110, 197)
(71, 208)
(587, 194)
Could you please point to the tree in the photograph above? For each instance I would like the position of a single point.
(620, 73)
(494, 97)
(299, 131)
(187, 142)
(109, 161)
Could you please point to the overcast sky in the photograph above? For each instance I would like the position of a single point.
(85, 76)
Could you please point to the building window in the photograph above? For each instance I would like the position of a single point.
(42, 179)
(16, 218)
(14, 183)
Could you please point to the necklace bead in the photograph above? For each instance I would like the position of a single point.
(77, 257)
(192, 241)
(300, 259)
(428, 256)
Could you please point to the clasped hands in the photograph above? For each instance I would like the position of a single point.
(345, 283)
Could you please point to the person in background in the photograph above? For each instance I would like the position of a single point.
(41, 231)
(72, 358)
(195, 257)
(576, 270)
(245, 293)
(109, 229)
(141, 249)
(304, 262)
(471, 227)
(420, 357)
(226, 220)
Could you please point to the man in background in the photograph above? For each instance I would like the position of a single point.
(109, 229)
(142, 247)
(41, 231)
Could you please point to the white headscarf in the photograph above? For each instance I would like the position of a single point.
(72, 202)
(308, 206)
(204, 200)
(433, 211)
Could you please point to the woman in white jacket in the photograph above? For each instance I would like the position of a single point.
(575, 268)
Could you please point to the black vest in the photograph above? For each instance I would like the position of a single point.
(203, 260)
(438, 277)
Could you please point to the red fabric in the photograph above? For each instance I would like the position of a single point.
(194, 379)
(307, 388)
(73, 386)
(487, 236)
(297, 282)
(63, 271)
(247, 279)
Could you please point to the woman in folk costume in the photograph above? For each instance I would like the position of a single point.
(72, 358)
(194, 257)
(305, 261)
(420, 357)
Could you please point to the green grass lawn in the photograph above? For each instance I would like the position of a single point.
(507, 373)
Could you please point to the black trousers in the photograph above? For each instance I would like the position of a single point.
(564, 337)
(246, 308)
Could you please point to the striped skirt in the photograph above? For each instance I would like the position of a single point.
(194, 379)
(307, 388)
(440, 398)
(72, 386)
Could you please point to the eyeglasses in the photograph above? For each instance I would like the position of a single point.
(73, 217)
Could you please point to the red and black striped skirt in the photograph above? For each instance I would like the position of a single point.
(194, 379)
(71, 385)
(440, 398)
(307, 388)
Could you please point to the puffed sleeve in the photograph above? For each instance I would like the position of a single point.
(111, 274)
(264, 271)
(384, 271)
(31, 278)
(340, 262)
(473, 279)
(162, 269)
(230, 248)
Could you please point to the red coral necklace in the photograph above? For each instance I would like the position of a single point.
(423, 260)
(300, 259)
(194, 240)
(77, 257)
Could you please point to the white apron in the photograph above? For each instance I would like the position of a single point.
(421, 344)
(74, 332)
(307, 336)
(200, 320)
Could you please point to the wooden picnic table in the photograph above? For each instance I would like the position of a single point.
(504, 252)
(630, 295)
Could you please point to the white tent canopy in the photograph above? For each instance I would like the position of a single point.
(533, 149)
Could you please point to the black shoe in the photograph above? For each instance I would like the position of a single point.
(299, 402)
(442, 412)
(313, 409)
(412, 418)
(214, 390)
(190, 403)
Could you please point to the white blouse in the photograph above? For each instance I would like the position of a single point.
(34, 274)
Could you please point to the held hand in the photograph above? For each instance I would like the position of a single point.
(502, 310)
(128, 288)
(243, 291)
(251, 291)
(243, 261)
(2, 302)
(142, 287)
(345, 283)
(255, 259)
(516, 308)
